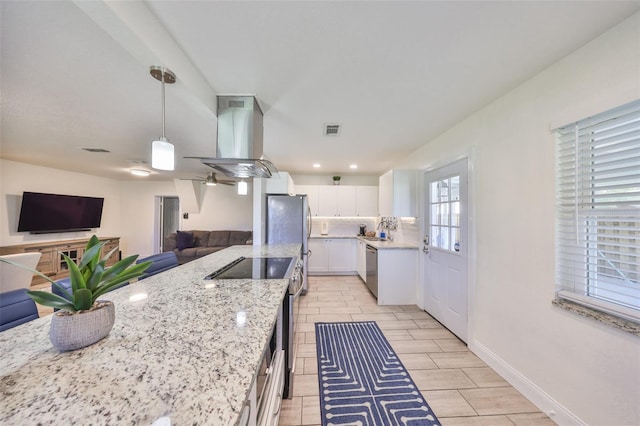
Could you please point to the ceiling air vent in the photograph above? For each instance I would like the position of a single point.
(331, 129)
(95, 149)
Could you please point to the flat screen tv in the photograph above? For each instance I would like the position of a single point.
(48, 213)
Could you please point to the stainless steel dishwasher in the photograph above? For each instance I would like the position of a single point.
(372, 270)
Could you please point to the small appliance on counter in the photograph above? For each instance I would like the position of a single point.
(324, 228)
(363, 229)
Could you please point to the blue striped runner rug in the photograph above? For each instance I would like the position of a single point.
(362, 381)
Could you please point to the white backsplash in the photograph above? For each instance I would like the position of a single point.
(408, 230)
(341, 227)
(408, 227)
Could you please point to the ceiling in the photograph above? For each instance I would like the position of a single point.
(392, 74)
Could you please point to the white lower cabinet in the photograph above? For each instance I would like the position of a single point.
(397, 276)
(361, 260)
(334, 256)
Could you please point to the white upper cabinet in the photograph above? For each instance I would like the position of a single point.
(367, 201)
(341, 200)
(337, 200)
(398, 194)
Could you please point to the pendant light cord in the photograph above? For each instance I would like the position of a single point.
(163, 112)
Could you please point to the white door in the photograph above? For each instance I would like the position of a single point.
(167, 219)
(445, 248)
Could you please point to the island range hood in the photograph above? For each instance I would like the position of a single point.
(239, 146)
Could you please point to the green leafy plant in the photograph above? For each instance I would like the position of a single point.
(90, 278)
(336, 178)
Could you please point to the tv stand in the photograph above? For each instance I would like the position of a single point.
(52, 263)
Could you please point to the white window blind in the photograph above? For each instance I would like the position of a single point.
(598, 212)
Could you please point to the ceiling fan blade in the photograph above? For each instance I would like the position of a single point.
(226, 182)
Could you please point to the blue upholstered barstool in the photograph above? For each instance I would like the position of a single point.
(161, 262)
(16, 308)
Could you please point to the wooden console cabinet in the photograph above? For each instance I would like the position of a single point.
(52, 263)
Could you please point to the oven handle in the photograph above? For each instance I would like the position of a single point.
(300, 288)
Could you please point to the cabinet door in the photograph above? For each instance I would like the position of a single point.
(111, 245)
(328, 200)
(312, 196)
(385, 200)
(361, 260)
(319, 259)
(342, 255)
(367, 201)
(346, 201)
(398, 194)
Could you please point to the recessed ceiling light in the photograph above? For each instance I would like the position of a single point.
(140, 172)
(353, 166)
(316, 165)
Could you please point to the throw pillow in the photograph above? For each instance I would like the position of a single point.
(184, 240)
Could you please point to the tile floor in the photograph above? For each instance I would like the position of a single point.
(459, 387)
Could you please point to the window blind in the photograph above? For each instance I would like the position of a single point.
(598, 211)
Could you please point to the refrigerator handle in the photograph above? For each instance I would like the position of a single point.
(309, 222)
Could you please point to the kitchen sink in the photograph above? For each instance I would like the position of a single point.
(372, 238)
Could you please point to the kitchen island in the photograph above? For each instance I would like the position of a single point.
(182, 348)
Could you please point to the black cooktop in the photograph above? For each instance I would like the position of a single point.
(256, 268)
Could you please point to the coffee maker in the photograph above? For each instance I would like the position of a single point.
(363, 229)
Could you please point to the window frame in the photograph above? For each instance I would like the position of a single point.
(594, 172)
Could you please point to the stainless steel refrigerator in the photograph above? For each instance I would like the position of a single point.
(288, 220)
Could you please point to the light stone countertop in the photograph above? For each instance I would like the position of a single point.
(188, 351)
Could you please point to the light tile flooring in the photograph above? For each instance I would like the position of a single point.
(459, 387)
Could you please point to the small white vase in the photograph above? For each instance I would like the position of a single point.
(69, 332)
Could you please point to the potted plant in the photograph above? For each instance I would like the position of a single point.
(336, 180)
(82, 319)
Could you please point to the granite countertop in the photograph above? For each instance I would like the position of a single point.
(334, 237)
(387, 244)
(188, 351)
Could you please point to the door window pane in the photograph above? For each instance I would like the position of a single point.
(435, 236)
(455, 188)
(434, 192)
(444, 190)
(455, 213)
(444, 214)
(455, 239)
(444, 236)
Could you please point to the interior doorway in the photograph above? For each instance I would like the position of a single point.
(446, 247)
(168, 219)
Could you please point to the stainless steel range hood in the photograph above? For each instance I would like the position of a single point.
(239, 147)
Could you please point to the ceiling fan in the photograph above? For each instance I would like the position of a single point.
(211, 180)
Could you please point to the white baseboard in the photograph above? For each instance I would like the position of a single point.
(556, 411)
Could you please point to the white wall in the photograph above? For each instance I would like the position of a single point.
(129, 207)
(15, 178)
(584, 371)
(328, 180)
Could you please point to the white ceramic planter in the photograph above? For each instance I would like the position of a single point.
(69, 332)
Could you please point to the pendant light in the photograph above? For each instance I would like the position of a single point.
(242, 187)
(162, 156)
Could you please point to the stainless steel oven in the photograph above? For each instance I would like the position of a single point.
(290, 316)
